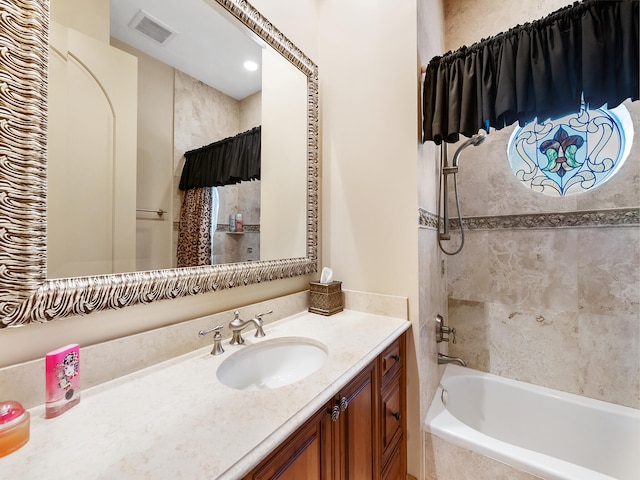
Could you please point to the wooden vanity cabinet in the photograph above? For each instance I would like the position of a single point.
(393, 445)
(355, 431)
(359, 434)
(302, 455)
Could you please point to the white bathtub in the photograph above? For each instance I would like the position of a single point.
(548, 433)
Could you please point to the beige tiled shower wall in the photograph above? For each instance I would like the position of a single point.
(203, 115)
(558, 307)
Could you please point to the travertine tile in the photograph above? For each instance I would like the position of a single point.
(609, 358)
(472, 323)
(593, 355)
(608, 270)
(531, 345)
(470, 20)
(468, 271)
(446, 461)
(535, 345)
(533, 267)
(389, 305)
(433, 301)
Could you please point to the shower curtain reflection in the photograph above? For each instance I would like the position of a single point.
(194, 230)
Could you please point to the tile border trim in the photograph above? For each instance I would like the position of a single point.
(589, 218)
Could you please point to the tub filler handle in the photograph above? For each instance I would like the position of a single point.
(444, 331)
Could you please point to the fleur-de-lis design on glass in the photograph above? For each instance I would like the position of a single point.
(561, 152)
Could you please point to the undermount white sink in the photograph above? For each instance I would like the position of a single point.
(272, 363)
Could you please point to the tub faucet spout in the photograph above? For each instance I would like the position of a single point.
(443, 359)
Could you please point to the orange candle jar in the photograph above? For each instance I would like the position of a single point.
(14, 427)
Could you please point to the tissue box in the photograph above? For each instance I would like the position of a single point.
(325, 299)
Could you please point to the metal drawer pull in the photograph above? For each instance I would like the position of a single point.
(335, 413)
(396, 357)
(340, 406)
(397, 415)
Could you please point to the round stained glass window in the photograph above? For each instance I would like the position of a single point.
(571, 154)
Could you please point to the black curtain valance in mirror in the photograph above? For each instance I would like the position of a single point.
(225, 162)
(541, 69)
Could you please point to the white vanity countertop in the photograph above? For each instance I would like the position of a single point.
(176, 420)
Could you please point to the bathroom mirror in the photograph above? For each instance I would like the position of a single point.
(177, 68)
(26, 295)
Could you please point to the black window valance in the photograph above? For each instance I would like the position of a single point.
(541, 69)
(225, 162)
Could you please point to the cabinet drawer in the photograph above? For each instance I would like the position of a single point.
(392, 411)
(391, 360)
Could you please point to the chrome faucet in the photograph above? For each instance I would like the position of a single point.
(237, 325)
(217, 339)
(442, 359)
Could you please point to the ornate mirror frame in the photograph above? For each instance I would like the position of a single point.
(26, 295)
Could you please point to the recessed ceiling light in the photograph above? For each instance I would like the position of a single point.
(251, 66)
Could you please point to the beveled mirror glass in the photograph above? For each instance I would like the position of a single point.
(26, 295)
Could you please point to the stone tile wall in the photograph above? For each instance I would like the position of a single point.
(451, 462)
(555, 306)
(203, 115)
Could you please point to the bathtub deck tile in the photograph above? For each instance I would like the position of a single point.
(446, 461)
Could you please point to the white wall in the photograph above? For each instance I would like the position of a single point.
(283, 206)
(86, 16)
(368, 103)
(90, 153)
(154, 177)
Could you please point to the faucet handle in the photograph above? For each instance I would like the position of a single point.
(260, 315)
(443, 331)
(452, 332)
(258, 319)
(217, 339)
(216, 329)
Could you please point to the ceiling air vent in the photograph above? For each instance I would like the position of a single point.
(151, 27)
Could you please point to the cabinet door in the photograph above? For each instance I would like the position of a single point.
(394, 470)
(302, 456)
(355, 433)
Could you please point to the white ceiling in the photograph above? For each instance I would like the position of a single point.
(206, 45)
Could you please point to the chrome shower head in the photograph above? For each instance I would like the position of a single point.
(476, 140)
